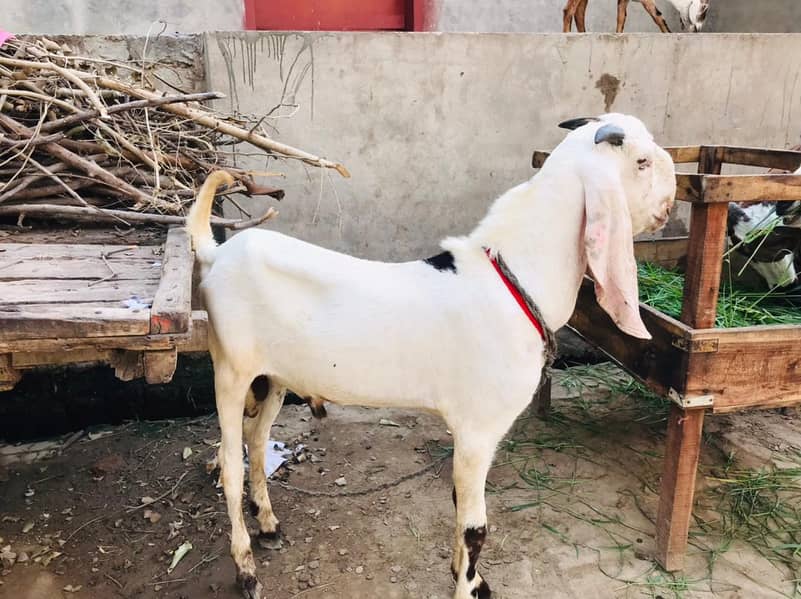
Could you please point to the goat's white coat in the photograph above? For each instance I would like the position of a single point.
(331, 326)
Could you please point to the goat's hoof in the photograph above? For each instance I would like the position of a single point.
(250, 586)
(271, 540)
(482, 591)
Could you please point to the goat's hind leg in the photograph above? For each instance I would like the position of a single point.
(268, 398)
(231, 387)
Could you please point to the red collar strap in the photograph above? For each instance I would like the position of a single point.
(517, 293)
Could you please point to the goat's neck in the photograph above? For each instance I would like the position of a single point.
(540, 237)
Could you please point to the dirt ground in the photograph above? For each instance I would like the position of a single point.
(571, 505)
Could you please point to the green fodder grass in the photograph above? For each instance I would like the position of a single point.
(662, 288)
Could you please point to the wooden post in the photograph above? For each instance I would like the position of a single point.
(542, 398)
(683, 446)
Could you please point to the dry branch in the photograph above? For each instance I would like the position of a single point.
(90, 146)
(127, 217)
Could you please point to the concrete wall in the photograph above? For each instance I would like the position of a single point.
(434, 126)
(120, 17)
(125, 17)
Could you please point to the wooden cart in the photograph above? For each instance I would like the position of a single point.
(699, 367)
(97, 295)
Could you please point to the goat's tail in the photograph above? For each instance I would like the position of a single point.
(198, 223)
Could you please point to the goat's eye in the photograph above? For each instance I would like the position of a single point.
(643, 163)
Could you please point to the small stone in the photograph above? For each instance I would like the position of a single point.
(396, 569)
(393, 579)
(22, 557)
(359, 569)
(493, 528)
(343, 552)
(313, 565)
(340, 482)
(369, 577)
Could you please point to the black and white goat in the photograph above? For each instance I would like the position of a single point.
(766, 236)
(451, 335)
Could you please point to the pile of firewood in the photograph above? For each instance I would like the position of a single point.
(77, 143)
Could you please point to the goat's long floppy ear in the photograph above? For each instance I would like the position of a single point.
(609, 249)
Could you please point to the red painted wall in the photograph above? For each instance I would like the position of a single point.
(337, 15)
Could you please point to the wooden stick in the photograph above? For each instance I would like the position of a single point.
(74, 119)
(217, 125)
(90, 168)
(68, 74)
(93, 214)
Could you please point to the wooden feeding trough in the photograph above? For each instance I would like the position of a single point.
(699, 367)
(96, 295)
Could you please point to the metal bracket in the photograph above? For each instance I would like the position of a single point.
(698, 401)
(696, 346)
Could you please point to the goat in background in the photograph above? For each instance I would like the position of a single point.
(692, 14)
(464, 335)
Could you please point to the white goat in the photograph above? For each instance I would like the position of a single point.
(692, 14)
(444, 335)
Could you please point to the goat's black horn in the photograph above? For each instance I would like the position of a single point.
(579, 122)
(611, 134)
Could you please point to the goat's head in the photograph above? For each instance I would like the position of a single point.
(629, 187)
(693, 14)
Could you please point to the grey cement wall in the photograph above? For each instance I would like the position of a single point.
(120, 17)
(124, 17)
(434, 126)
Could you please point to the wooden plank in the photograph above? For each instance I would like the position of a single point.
(682, 449)
(538, 158)
(128, 365)
(70, 322)
(704, 254)
(172, 305)
(160, 365)
(683, 446)
(786, 160)
(193, 341)
(9, 376)
(81, 268)
(752, 188)
(83, 235)
(713, 189)
(756, 366)
(704, 264)
(16, 293)
(679, 154)
(11, 252)
(684, 154)
(657, 362)
(666, 252)
(78, 356)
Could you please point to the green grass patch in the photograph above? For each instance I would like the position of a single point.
(662, 288)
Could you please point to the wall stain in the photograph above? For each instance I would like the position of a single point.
(240, 53)
(609, 85)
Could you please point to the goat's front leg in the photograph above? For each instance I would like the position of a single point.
(581, 12)
(471, 462)
(622, 6)
(268, 399)
(656, 15)
(230, 390)
(567, 15)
